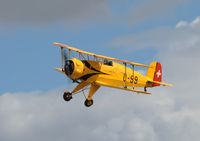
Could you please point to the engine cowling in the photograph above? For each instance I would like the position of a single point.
(74, 68)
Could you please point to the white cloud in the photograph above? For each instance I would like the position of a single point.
(192, 24)
(181, 24)
(195, 22)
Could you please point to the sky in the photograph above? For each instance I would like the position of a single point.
(31, 104)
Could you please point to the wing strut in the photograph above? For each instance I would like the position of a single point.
(125, 76)
(132, 79)
(62, 57)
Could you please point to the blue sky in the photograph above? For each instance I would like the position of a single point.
(28, 55)
(142, 31)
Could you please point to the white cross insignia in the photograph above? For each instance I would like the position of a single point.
(158, 74)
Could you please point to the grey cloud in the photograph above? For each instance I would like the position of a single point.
(152, 8)
(76, 12)
(50, 11)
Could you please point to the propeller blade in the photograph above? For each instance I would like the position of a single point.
(65, 56)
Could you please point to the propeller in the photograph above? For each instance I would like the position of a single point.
(65, 54)
(68, 65)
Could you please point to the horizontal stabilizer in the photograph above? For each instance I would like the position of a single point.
(161, 83)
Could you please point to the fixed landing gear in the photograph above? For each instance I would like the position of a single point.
(67, 96)
(88, 103)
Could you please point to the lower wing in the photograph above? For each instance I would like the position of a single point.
(128, 89)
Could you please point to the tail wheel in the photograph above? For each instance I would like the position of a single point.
(145, 89)
(67, 96)
(88, 103)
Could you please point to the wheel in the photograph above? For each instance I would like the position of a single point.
(67, 96)
(88, 103)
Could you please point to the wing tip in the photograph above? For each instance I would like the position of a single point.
(169, 85)
(166, 84)
(55, 43)
(59, 70)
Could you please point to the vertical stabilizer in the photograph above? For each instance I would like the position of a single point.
(155, 73)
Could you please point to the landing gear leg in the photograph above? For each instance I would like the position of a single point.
(67, 96)
(89, 100)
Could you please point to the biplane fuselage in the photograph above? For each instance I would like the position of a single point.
(105, 71)
(111, 74)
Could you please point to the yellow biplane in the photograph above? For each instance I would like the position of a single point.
(94, 70)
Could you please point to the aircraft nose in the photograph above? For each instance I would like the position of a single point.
(69, 67)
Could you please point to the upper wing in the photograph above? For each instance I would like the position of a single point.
(99, 56)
